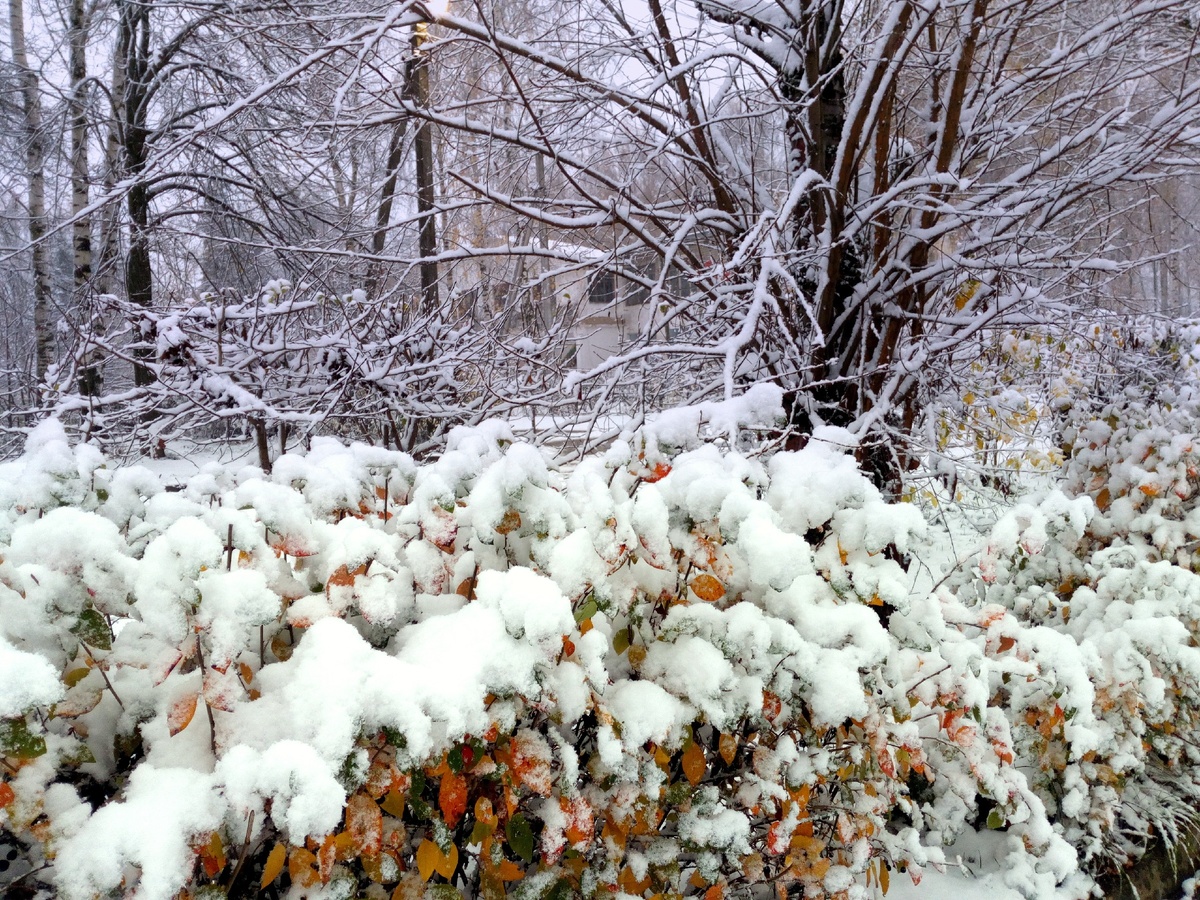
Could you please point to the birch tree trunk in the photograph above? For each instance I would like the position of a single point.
(81, 229)
(43, 329)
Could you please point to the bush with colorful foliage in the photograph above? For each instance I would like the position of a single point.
(673, 670)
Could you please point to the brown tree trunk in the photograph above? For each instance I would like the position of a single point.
(134, 47)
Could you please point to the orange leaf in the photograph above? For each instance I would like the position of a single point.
(364, 822)
(326, 857)
(511, 522)
(660, 471)
(694, 765)
(302, 868)
(716, 892)
(628, 881)
(274, 865)
(727, 746)
(6, 794)
(772, 706)
(181, 713)
(1007, 643)
(340, 577)
(510, 871)
(1104, 500)
(452, 798)
(707, 588)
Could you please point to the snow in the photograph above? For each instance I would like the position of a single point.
(27, 680)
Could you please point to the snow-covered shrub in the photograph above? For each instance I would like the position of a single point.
(673, 670)
(1091, 604)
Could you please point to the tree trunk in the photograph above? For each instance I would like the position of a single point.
(423, 145)
(81, 226)
(134, 41)
(43, 328)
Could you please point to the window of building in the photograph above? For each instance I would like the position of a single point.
(603, 289)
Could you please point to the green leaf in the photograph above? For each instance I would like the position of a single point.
(17, 740)
(621, 641)
(92, 629)
(479, 833)
(455, 760)
(588, 610)
(78, 755)
(520, 837)
(442, 892)
(995, 819)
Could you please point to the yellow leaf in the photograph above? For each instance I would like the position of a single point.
(884, 877)
(431, 859)
(393, 803)
(275, 861)
(694, 765)
(428, 857)
(448, 863)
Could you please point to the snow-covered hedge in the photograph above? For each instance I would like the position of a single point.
(673, 670)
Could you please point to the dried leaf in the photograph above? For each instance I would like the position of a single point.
(707, 588)
(694, 765)
(274, 865)
(6, 794)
